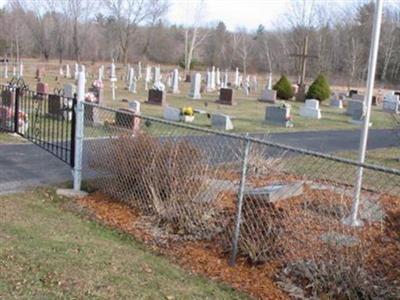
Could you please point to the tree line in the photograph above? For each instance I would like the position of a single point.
(133, 30)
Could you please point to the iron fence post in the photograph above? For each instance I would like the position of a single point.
(73, 129)
(16, 110)
(235, 240)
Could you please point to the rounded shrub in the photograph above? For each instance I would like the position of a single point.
(319, 89)
(283, 88)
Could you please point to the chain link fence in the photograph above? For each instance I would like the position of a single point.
(256, 200)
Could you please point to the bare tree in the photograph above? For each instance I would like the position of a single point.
(194, 36)
(129, 14)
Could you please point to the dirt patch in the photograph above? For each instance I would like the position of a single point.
(311, 230)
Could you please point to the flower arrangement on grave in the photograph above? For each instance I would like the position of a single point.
(98, 84)
(7, 118)
(187, 114)
(187, 111)
(288, 118)
(90, 97)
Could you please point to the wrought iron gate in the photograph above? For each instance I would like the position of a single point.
(47, 120)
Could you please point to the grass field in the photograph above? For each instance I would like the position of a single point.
(248, 114)
(9, 138)
(49, 253)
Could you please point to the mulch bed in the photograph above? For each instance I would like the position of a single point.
(305, 218)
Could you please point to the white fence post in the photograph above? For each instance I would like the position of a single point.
(79, 112)
(353, 219)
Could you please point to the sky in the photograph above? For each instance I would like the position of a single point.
(234, 13)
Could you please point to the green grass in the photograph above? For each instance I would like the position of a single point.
(319, 168)
(388, 157)
(50, 253)
(248, 114)
(9, 138)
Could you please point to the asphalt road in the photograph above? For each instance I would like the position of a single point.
(27, 165)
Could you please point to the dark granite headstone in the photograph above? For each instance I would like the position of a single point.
(188, 78)
(352, 92)
(42, 88)
(278, 115)
(7, 98)
(55, 106)
(226, 97)
(156, 97)
(374, 101)
(125, 119)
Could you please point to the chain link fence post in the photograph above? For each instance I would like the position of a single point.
(79, 108)
(235, 240)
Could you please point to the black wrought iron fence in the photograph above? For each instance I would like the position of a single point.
(47, 120)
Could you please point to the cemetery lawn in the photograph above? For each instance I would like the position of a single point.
(8, 138)
(47, 252)
(248, 114)
(388, 157)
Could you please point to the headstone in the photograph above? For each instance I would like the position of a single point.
(237, 80)
(226, 97)
(310, 109)
(270, 81)
(139, 68)
(357, 97)
(208, 81)
(226, 79)
(69, 90)
(55, 109)
(157, 75)
(353, 106)
(131, 76)
(279, 115)
(5, 70)
(76, 73)
(212, 84)
(175, 82)
(246, 85)
(221, 122)
(156, 97)
(113, 79)
(126, 118)
(217, 78)
(352, 92)
(188, 78)
(356, 109)
(134, 106)
(274, 193)
(391, 103)
(40, 73)
(21, 70)
(254, 83)
(336, 101)
(42, 88)
(295, 88)
(195, 87)
(67, 71)
(8, 98)
(100, 75)
(172, 114)
(147, 77)
(14, 71)
(61, 72)
(268, 95)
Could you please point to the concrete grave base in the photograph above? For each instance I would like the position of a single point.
(70, 193)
